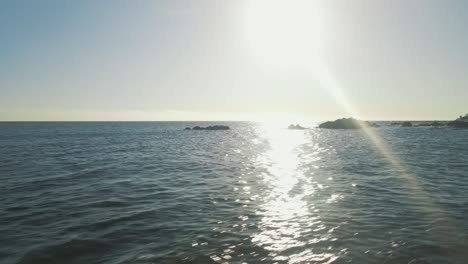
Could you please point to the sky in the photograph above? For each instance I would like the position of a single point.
(233, 60)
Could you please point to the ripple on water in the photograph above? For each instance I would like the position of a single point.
(153, 193)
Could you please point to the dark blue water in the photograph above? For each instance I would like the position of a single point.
(154, 193)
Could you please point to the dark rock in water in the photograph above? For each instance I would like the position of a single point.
(406, 124)
(423, 125)
(297, 126)
(437, 124)
(345, 123)
(402, 124)
(458, 124)
(374, 125)
(217, 127)
(461, 122)
(433, 124)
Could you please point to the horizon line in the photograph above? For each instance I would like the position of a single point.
(259, 121)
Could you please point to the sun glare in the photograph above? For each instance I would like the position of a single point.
(282, 32)
(291, 33)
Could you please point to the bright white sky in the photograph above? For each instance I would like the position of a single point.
(233, 60)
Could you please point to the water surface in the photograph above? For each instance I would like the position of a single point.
(150, 192)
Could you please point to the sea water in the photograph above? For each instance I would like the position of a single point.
(152, 192)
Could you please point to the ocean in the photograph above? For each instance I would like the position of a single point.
(151, 192)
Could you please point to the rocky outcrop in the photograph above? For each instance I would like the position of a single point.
(217, 127)
(458, 124)
(345, 123)
(461, 122)
(402, 124)
(297, 126)
(406, 124)
(433, 124)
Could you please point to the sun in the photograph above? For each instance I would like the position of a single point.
(282, 32)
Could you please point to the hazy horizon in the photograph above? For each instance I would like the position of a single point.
(233, 60)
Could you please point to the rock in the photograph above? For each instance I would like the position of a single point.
(345, 123)
(433, 124)
(423, 125)
(292, 126)
(458, 124)
(216, 127)
(406, 124)
(461, 122)
(437, 124)
(395, 124)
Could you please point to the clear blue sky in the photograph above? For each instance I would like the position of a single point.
(225, 60)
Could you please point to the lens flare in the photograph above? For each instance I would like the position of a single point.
(430, 209)
(293, 33)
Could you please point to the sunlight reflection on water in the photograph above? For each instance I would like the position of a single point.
(286, 216)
